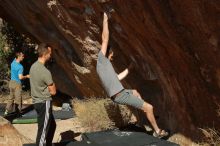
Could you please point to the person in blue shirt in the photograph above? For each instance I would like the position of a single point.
(15, 100)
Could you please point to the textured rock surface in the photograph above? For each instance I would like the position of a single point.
(178, 40)
(9, 136)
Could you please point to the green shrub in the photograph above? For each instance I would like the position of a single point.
(12, 41)
(4, 67)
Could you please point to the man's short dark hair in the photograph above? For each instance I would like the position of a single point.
(43, 49)
(18, 53)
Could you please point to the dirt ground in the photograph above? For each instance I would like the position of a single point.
(65, 130)
(71, 129)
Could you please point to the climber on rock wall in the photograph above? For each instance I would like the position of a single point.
(112, 85)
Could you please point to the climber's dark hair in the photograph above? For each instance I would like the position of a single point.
(43, 49)
(109, 50)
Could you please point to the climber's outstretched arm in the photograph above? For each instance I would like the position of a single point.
(105, 34)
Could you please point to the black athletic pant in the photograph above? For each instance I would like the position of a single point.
(46, 123)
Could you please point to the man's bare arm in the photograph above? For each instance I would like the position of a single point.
(52, 89)
(123, 74)
(22, 77)
(105, 34)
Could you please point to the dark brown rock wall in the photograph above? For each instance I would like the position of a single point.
(177, 40)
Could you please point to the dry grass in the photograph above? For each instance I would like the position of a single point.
(92, 114)
(100, 114)
(212, 136)
(182, 140)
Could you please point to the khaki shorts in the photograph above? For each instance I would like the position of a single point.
(126, 97)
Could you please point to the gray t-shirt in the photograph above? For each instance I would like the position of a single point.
(107, 75)
(40, 78)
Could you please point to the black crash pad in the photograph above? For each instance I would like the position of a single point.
(121, 138)
(117, 138)
(28, 112)
(59, 114)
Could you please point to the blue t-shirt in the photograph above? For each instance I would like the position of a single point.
(16, 70)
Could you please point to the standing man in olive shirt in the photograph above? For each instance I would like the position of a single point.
(42, 88)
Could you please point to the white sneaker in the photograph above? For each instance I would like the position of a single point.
(160, 134)
(6, 112)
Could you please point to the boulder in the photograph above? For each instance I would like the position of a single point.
(174, 46)
(9, 136)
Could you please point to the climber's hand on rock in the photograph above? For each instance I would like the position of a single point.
(105, 17)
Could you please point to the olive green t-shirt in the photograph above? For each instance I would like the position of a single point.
(40, 79)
